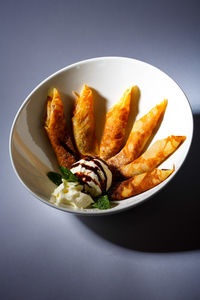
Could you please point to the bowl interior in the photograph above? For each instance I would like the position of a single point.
(31, 153)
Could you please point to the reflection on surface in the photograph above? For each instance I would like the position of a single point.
(28, 155)
(167, 222)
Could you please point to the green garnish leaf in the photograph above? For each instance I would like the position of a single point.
(55, 177)
(68, 175)
(101, 202)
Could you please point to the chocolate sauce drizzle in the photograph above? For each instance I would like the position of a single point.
(85, 178)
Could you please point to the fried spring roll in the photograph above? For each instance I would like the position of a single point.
(115, 126)
(139, 184)
(153, 157)
(56, 128)
(139, 136)
(84, 123)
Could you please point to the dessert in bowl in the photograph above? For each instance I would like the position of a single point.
(140, 136)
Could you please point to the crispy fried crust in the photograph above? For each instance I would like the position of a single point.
(153, 157)
(84, 124)
(56, 129)
(115, 126)
(139, 184)
(139, 136)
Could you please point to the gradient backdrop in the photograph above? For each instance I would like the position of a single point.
(149, 252)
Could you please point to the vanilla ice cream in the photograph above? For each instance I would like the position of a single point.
(70, 193)
(94, 174)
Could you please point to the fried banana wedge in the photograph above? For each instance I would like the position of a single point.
(84, 124)
(139, 136)
(153, 157)
(115, 126)
(139, 184)
(56, 128)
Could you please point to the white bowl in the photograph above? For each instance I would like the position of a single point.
(31, 154)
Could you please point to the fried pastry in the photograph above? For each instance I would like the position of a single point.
(140, 134)
(115, 126)
(139, 184)
(84, 124)
(153, 157)
(56, 128)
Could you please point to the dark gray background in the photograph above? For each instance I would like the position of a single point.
(149, 252)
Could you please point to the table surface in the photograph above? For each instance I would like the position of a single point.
(149, 252)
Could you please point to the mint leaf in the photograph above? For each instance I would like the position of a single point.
(68, 175)
(101, 202)
(55, 177)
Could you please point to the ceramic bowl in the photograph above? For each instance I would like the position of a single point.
(31, 153)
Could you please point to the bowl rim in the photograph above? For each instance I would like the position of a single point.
(96, 212)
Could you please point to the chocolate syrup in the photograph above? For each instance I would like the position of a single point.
(84, 178)
(103, 182)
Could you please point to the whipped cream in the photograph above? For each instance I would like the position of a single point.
(70, 193)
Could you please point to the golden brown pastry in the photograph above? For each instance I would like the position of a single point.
(115, 126)
(139, 184)
(56, 128)
(153, 157)
(139, 136)
(84, 123)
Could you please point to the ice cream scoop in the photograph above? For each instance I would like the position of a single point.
(94, 174)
